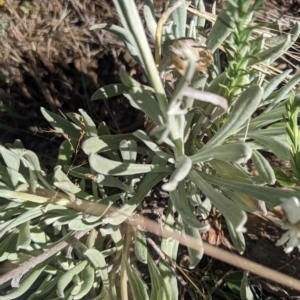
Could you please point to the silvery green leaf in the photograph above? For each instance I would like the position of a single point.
(194, 255)
(12, 162)
(159, 289)
(76, 118)
(216, 68)
(246, 291)
(270, 99)
(117, 30)
(113, 153)
(67, 277)
(263, 167)
(9, 206)
(18, 145)
(99, 263)
(199, 81)
(207, 97)
(8, 246)
(66, 151)
(199, 22)
(131, 82)
(117, 238)
(194, 197)
(38, 235)
(26, 281)
(167, 39)
(230, 171)
(107, 180)
(179, 19)
(79, 224)
(137, 285)
(5, 176)
(170, 279)
(26, 216)
(89, 125)
(274, 40)
(264, 119)
(62, 182)
(128, 151)
(108, 252)
(284, 91)
(258, 44)
(109, 167)
(98, 212)
(31, 161)
(181, 203)
(161, 133)
(277, 145)
(176, 123)
(90, 218)
(63, 126)
(65, 220)
(264, 193)
(150, 17)
(204, 208)
(140, 247)
(228, 208)
(244, 107)
(145, 102)
(169, 246)
(108, 230)
(24, 238)
(182, 169)
(104, 143)
(141, 135)
(124, 36)
(278, 130)
(227, 152)
(274, 83)
(76, 288)
(88, 275)
(132, 23)
(221, 29)
(237, 237)
(147, 183)
(192, 30)
(216, 86)
(103, 129)
(239, 199)
(47, 286)
(271, 54)
(110, 91)
(78, 172)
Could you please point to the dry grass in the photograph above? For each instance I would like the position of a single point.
(58, 32)
(45, 33)
(290, 58)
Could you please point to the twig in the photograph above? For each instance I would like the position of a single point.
(165, 260)
(220, 254)
(26, 267)
(145, 224)
(158, 34)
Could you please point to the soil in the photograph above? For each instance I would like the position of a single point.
(49, 58)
